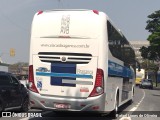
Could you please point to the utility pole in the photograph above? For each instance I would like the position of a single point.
(60, 4)
(147, 64)
(1, 57)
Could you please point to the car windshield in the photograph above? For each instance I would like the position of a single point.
(146, 81)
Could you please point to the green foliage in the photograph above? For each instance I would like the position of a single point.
(152, 52)
(154, 38)
(153, 24)
(148, 65)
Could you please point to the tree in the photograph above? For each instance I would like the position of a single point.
(153, 24)
(152, 52)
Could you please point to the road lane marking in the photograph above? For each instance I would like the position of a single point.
(125, 118)
(134, 108)
(27, 118)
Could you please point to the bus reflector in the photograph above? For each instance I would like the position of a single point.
(43, 102)
(96, 12)
(32, 102)
(39, 12)
(32, 86)
(95, 107)
(83, 105)
(99, 84)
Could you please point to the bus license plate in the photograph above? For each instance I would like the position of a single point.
(62, 106)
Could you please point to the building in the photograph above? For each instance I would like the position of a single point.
(3, 66)
(137, 45)
(23, 70)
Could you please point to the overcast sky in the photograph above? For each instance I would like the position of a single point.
(16, 17)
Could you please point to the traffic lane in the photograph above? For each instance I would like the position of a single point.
(128, 108)
(149, 109)
(137, 95)
(151, 101)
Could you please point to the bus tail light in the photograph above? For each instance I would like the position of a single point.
(32, 86)
(99, 84)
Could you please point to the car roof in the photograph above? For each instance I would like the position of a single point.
(146, 81)
(5, 73)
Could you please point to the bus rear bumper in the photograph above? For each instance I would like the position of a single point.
(67, 104)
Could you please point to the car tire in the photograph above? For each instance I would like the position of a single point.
(25, 105)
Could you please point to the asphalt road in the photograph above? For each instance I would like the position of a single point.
(146, 106)
(149, 108)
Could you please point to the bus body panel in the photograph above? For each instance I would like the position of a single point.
(76, 104)
(66, 50)
(66, 23)
(74, 80)
(55, 35)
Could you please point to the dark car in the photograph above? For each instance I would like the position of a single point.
(13, 94)
(146, 83)
(23, 79)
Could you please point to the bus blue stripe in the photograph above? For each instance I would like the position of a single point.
(64, 75)
(117, 70)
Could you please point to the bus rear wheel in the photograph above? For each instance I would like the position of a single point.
(131, 100)
(115, 111)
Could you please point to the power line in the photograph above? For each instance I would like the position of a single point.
(11, 21)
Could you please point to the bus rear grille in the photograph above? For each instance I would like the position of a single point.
(68, 58)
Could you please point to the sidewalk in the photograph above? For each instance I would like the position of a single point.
(158, 86)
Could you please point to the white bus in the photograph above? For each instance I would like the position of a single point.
(79, 62)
